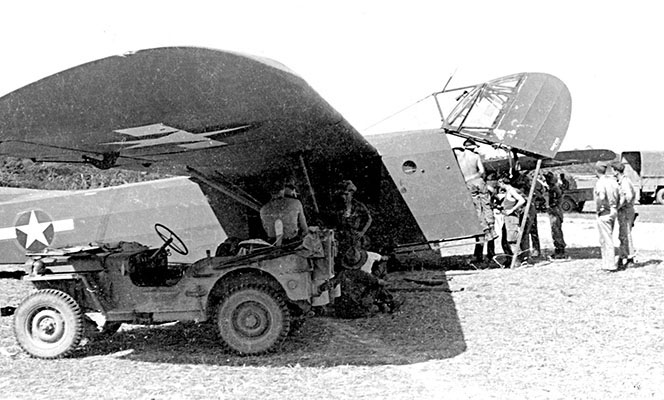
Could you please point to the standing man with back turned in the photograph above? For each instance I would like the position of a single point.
(555, 216)
(472, 169)
(606, 196)
(625, 215)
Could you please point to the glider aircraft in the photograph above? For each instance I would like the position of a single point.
(230, 124)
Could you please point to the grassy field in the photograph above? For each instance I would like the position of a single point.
(561, 330)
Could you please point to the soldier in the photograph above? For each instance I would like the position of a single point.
(555, 216)
(285, 214)
(626, 215)
(473, 171)
(530, 240)
(351, 219)
(512, 206)
(564, 183)
(290, 188)
(360, 290)
(538, 198)
(606, 196)
(362, 293)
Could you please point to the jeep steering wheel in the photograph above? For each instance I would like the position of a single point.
(170, 240)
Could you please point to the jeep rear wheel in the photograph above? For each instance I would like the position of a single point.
(252, 319)
(48, 324)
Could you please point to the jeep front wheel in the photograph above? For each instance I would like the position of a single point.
(48, 324)
(252, 319)
(567, 205)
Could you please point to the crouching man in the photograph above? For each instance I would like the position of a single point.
(362, 293)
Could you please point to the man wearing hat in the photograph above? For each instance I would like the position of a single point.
(606, 196)
(555, 215)
(626, 215)
(362, 294)
(473, 171)
(283, 217)
(351, 220)
(360, 290)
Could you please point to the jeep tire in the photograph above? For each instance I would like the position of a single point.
(567, 205)
(48, 324)
(252, 319)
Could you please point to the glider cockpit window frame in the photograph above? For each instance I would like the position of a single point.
(480, 108)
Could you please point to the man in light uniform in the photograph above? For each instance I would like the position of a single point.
(606, 196)
(625, 215)
(472, 169)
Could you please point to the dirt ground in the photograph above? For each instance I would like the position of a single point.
(554, 330)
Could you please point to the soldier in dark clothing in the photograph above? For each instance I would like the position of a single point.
(361, 291)
(564, 183)
(351, 220)
(555, 216)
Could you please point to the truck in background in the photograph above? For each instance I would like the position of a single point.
(646, 170)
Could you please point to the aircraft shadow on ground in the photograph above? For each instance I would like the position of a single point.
(587, 253)
(639, 263)
(426, 327)
(573, 253)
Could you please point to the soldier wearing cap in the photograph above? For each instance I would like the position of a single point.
(360, 290)
(283, 214)
(351, 220)
(555, 215)
(606, 196)
(473, 172)
(626, 215)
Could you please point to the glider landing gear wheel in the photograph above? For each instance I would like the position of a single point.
(48, 324)
(252, 319)
(171, 239)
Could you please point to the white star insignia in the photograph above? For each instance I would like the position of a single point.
(34, 231)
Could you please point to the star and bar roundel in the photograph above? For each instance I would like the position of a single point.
(35, 230)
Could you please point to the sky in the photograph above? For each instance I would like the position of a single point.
(370, 59)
